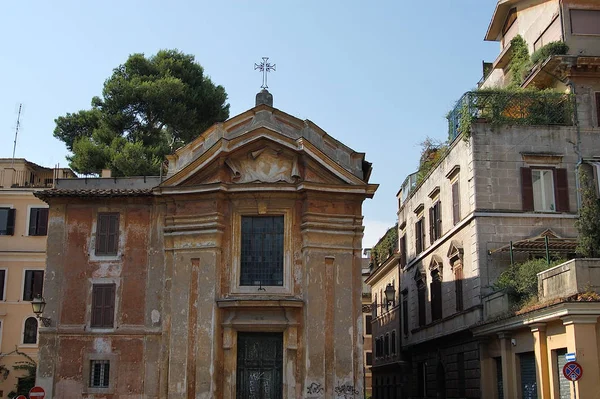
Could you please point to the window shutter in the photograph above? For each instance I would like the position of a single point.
(10, 222)
(33, 221)
(113, 234)
(526, 189)
(109, 305)
(455, 203)
(101, 232)
(38, 283)
(2, 278)
(42, 225)
(28, 286)
(97, 295)
(432, 223)
(418, 245)
(403, 251)
(562, 190)
(439, 220)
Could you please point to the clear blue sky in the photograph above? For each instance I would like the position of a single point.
(378, 75)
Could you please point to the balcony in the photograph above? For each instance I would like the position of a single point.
(10, 178)
(510, 107)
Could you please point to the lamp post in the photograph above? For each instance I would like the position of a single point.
(38, 304)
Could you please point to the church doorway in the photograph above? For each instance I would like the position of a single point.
(259, 366)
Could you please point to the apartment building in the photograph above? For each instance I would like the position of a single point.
(507, 180)
(23, 232)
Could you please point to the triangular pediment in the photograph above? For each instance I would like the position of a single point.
(262, 157)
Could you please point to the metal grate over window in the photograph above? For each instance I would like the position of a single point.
(99, 373)
(262, 251)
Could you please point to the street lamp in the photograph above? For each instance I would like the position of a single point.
(38, 304)
(390, 293)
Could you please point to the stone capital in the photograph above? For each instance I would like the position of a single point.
(504, 335)
(541, 327)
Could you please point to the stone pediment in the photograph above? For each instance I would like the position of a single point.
(302, 136)
(263, 161)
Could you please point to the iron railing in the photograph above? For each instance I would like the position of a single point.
(511, 108)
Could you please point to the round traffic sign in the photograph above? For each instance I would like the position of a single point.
(572, 371)
(21, 397)
(37, 393)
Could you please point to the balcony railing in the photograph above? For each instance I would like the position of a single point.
(505, 107)
(24, 178)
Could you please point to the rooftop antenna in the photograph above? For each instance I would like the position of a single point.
(12, 163)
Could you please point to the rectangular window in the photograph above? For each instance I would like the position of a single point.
(2, 283)
(458, 285)
(38, 222)
(368, 325)
(262, 250)
(435, 222)
(455, 203)
(393, 343)
(103, 305)
(585, 22)
(107, 234)
(7, 221)
(405, 313)
(545, 190)
(369, 359)
(419, 236)
(99, 373)
(33, 285)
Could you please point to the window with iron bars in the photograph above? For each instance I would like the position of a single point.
(262, 251)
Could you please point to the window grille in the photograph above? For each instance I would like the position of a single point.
(99, 373)
(262, 251)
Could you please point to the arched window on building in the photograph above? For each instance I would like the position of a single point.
(30, 331)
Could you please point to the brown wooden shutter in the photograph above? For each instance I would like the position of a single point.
(526, 189)
(455, 203)
(10, 222)
(113, 234)
(418, 237)
(101, 234)
(33, 220)
(432, 223)
(42, 225)
(109, 305)
(561, 190)
(403, 251)
(439, 219)
(598, 107)
(97, 294)
(38, 283)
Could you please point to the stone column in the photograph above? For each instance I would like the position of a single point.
(541, 359)
(509, 372)
(583, 340)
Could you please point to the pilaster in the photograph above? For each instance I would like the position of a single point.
(582, 339)
(541, 359)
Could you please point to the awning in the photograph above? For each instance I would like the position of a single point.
(537, 244)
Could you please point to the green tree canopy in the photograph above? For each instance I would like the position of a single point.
(149, 107)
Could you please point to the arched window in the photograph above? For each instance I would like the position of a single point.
(393, 342)
(30, 331)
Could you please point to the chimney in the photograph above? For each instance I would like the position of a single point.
(105, 173)
(264, 97)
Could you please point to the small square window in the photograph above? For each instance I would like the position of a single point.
(99, 373)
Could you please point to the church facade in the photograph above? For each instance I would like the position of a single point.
(236, 275)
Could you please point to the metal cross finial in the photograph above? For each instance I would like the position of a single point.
(265, 68)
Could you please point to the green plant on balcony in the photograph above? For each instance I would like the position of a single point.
(520, 280)
(552, 48)
(431, 153)
(385, 247)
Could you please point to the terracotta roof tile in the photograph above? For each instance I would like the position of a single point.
(115, 192)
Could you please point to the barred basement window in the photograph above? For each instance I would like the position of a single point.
(262, 251)
(99, 373)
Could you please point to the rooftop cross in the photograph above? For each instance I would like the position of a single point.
(265, 68)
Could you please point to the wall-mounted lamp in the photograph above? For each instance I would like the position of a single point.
(38, 304)
(390, 295)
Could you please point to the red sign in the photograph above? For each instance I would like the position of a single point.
(37, 393)
(572, 371)
(20, 397)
